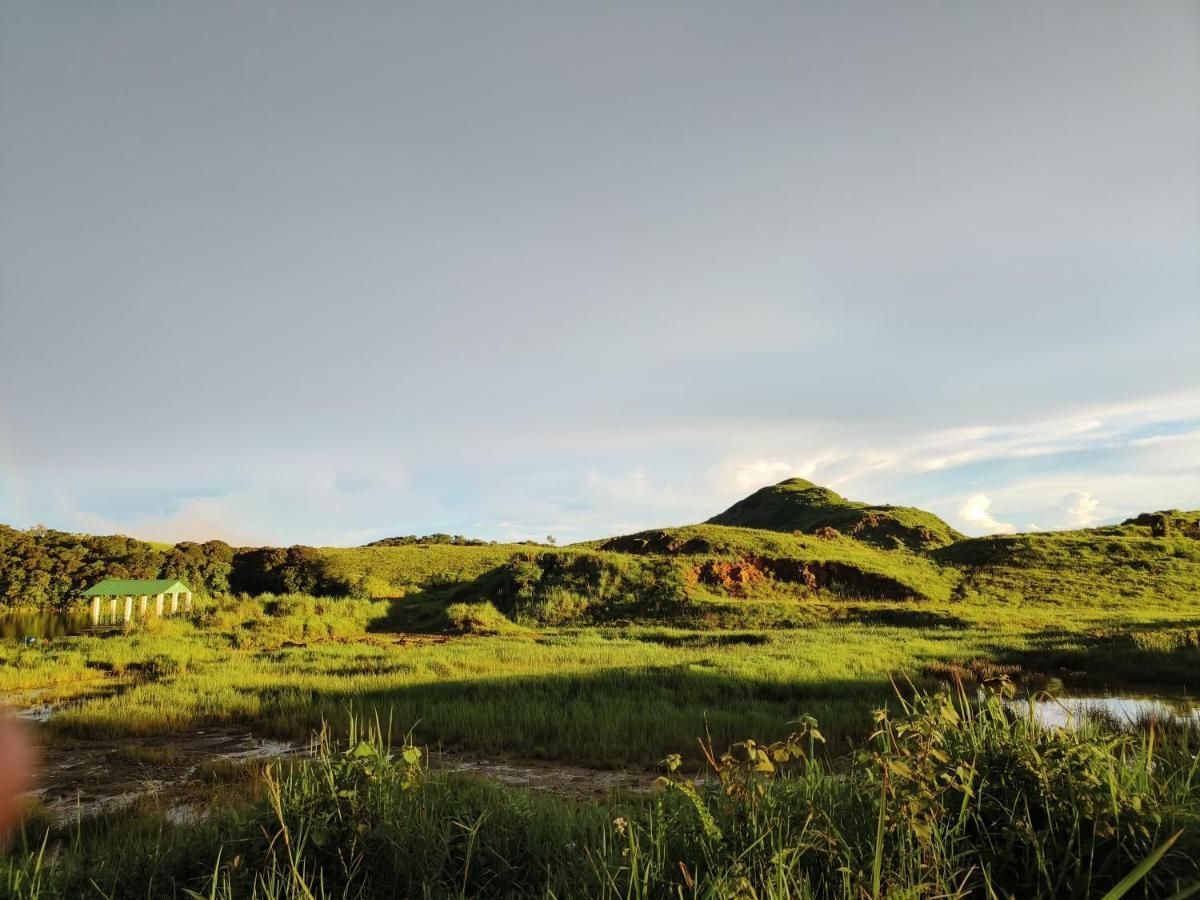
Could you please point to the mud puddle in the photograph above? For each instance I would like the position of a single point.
(79, 777)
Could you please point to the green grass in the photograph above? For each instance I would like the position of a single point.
(615, 695)
(900, 574)
(617, 653)
(397, 571)
(800, 505)
(1114, 566)
(949, 798)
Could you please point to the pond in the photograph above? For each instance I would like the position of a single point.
(1120, 709)
(17, 626)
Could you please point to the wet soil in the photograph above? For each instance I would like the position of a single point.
(82, 777)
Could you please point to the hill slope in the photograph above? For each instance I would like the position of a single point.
(730, 559)
(799, 505)
(1132, 564)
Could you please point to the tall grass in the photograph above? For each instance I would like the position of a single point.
(949, 798)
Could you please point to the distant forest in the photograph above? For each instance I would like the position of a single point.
(406, 540)
(47, 568)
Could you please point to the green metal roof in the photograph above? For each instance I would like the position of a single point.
(115, 587)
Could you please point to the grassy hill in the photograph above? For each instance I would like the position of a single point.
(733, 558)
(394, 571)
(695, 574)
(1114, 565)
(797, 548)
(800, 505)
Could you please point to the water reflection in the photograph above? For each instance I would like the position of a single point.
(1120, 710)
(19, 626)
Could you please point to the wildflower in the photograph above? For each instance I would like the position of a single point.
(620, 824)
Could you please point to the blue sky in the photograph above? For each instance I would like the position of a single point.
(325, 273)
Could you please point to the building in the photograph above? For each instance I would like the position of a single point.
(116, 589)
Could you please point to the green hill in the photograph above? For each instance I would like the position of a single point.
(733, 559)
(804, 543)
(397, 570)
(799, 505)
(1132, 564)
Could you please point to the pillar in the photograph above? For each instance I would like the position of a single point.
(158, 601)
(187, 602)
(95, 610)
(145, 600)
(128, 608)
(174, 603)
(113, 608)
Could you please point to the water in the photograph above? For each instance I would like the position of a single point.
(1125, 710)
(16, 626)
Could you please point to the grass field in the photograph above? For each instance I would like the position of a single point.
(622, 654)
(948, 798)
(609, 696)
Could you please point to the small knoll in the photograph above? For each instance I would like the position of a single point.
(1169, 522)
(797, 505)
(733, 559)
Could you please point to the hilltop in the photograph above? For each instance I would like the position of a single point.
(799, 505)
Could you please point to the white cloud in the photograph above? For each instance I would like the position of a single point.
(762, 472)
(193, 519)
(976, 515)
(1079, 509)
(1095, 428)
(745, 476)
(874, 462)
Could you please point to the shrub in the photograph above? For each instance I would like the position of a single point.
(476, 618)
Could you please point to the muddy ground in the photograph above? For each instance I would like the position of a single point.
(78, 777)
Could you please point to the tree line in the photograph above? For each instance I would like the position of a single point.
(407, 540)
(46, 568)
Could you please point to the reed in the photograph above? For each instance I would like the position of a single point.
(950, 797)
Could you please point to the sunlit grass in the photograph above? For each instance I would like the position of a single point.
(610, 696)
(950, 798)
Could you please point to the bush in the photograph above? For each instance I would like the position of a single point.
(476, 618)
(566, 587)
(162, 666)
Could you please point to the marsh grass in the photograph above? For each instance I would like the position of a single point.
(613, 695)
(948, 798)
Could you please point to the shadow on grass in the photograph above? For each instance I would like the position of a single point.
(901, 617)
(419, 612)
(1138, 656)
(609, 719)
(694, 640)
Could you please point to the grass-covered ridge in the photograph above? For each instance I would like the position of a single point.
(698, 576)
(1118, 565)
(809, 547)
(731, 559)
(800, 505)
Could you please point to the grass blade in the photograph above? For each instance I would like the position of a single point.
(1143, 868)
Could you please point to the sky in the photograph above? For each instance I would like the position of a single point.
(321, 273)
